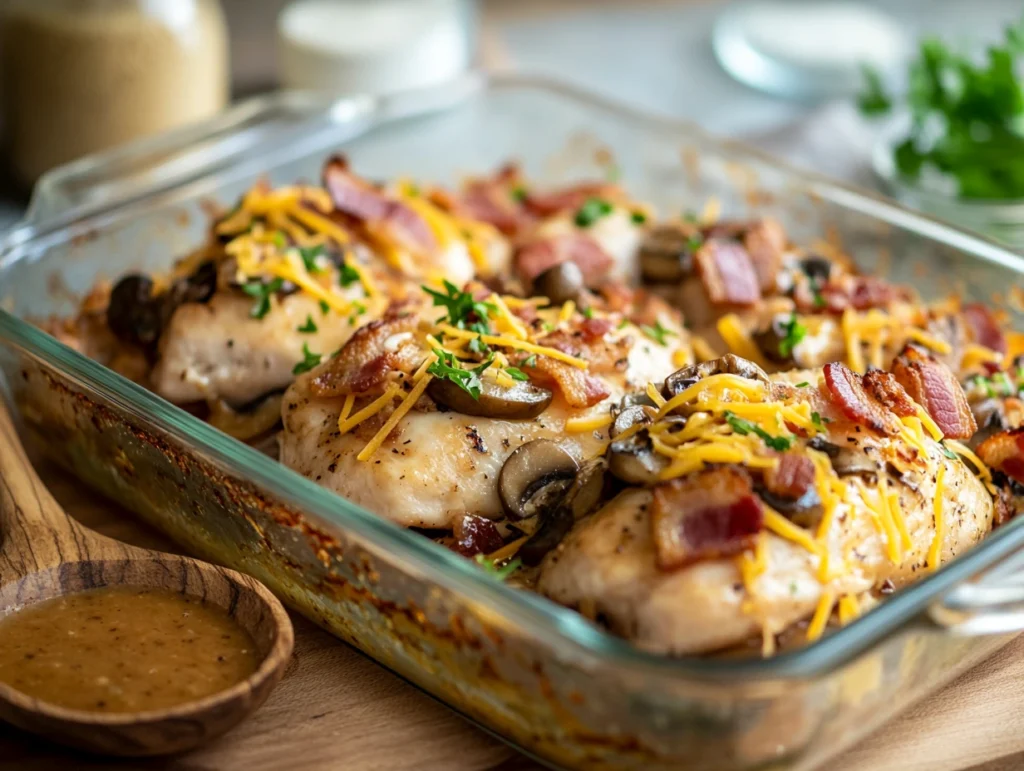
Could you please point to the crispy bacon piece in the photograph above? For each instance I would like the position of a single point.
(475, 535)
(1005, 452)
(488, 199)
(848, 291)
(727, 273)
(765, 242)
(579, 388)
(537, 256)
(884, 387)
(792, 478)
(381, 215)
(569, 198)
(365, 361)
(707, 515)
(934, 386)
(847, 391)
(984, 328)
(595, 329)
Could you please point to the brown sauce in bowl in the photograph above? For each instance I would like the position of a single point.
(123, 649)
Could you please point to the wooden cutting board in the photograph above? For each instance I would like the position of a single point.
(336, 709)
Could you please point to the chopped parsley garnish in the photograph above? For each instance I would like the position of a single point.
(347, 275)
(518, 193)
(623, 324)
(447, 368)
(309, 360)
(947, 452)
(803, 384)
(588, 312)
(324, 307)
(818, 421)
(309, 327)
(516, 374)
(530, 361)
(819, 300)
(744, 427)
(984, 383)
(694, 242)
(500, 572)
(262, 292)
(795, 332)
(476, 345)
(358, 309)
(309, 255)
(280, 241)
(591, 211)
(460, 306)
(638, 218)
(657, 333)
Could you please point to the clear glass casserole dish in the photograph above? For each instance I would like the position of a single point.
(539, 675)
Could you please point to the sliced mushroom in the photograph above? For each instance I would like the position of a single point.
(560, 283)
(666, 254)
(817, 269)
(535, 478)
(519, 402)
(730, 364)
(586, 492)
(628, 417)
(634, 460)
(845, 460)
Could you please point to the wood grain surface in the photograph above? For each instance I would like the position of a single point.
(336, 709)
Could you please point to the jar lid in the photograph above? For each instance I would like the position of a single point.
(345, 46)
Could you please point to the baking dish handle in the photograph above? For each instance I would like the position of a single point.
(288, 122)
(990, 603)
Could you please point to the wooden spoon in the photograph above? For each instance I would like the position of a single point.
(44, 554)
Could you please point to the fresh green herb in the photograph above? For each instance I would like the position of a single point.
(309, 360)
(530, 361)
(309, 255)
(638, 217)
(623, 324)
(324, 307)
(1008, 388)
(792, 588)
(795, 332)
(262, 292)
(347, 275)
(966, 116)
(947, 452)
(447, 367)
(547, 326)
(518, 193)
(873, 100)
(694, 242)
(478, 346)
(460, 306)
(280, 241)
(591, 211)
(358, 309)
(744, 427)
(516, 374)
(818, 421)
(588, 312)
(657, 333)
(309, 327)
(803, 384)
(984, 383)
(819, 300)
(501, 572)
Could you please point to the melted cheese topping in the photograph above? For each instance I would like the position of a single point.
(739, 341)
(935, 550)
(407, 402)
(821, 615)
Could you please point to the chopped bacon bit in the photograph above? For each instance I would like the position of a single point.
(569, 198)
(984, 327)
(727, 273)
(887, 389)
(1005, 452)
(365, 361)
(488, 199)
(579, 388)
(848, 291)
(934, 386)
(704, 516)
(791, 478)
(1003, 509)
(476, 535)
(846, 389)
(765, 242)
(595, 329)
(537, 256)
(380, 214)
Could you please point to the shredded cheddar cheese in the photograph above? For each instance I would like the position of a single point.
(582, 425)
(821, 615)
(344, 426)
(731, 329)
(410, 399)
(935, 550)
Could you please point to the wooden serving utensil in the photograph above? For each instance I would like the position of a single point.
(45, 554)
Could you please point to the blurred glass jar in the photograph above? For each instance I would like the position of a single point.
(83, 75)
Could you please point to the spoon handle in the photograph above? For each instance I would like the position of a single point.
(35, 533)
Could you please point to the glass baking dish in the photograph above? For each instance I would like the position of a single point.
(539, 675)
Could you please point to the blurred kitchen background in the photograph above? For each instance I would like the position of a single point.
(78, 75)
